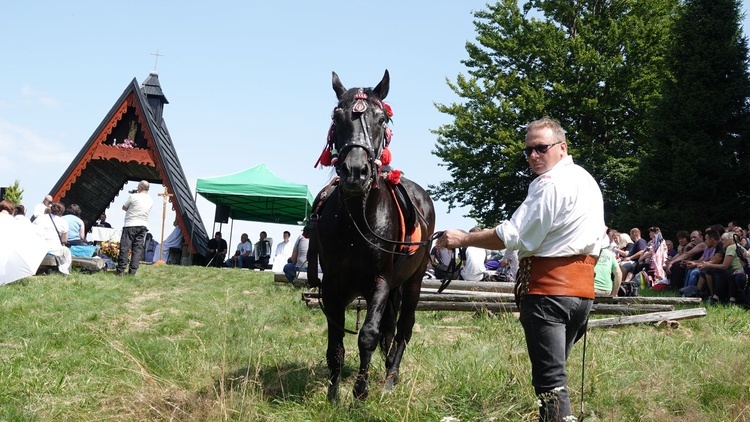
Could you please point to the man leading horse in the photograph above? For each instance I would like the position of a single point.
(558, 232)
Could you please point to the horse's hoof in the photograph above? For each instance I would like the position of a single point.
(333, 395)
(361, 391)
(313, 282)
(390, 382)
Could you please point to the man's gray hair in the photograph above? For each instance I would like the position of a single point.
(550, 123)
(143, 185)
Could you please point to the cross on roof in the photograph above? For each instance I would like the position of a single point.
(156, 60)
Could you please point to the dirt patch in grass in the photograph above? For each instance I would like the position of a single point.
(174, 404)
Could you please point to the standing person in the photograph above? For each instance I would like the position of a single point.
(217, 250)
(557, 231)
(137, 208)
(41, 208)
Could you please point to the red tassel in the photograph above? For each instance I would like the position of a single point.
(388, 110)
(394, 177)
(325, 158)
(385, 156)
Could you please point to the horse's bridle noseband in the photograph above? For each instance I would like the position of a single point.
(357, 142)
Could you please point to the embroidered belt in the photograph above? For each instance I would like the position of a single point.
(555, 276)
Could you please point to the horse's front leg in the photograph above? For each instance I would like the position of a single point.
(406, 318)
(369, 335)
(334, 310)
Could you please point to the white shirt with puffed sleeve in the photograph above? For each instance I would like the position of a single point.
(562, 215)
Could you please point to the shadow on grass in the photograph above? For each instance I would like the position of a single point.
(291, 382)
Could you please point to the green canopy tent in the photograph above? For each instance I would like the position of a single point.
(257, 194)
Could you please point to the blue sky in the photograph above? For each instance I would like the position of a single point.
(247, 82)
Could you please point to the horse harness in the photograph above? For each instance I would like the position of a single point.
(408, 215)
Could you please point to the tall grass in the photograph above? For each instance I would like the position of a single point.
(191, 343)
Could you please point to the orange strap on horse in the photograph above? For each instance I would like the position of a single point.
(404, 236)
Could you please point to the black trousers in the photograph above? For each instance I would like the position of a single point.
(552, 324)
(132, 239)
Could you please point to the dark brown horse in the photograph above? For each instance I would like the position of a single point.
(371, 232)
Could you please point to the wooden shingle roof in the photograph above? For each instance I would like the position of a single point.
(132, 143)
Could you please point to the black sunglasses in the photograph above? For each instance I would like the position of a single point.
(540, 149)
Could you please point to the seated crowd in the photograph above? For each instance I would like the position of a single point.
(710, 264)
(57, 226)
(60, 228)
(259, 255)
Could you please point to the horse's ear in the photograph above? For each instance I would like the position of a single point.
(382, 89)
(338, 86)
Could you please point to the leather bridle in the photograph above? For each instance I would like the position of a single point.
(365, 142)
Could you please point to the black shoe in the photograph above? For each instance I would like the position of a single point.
(119, 274)
(713, 300)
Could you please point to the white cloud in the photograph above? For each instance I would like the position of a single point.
(23, 147)
(34, 96)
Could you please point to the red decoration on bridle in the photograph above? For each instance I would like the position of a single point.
(360, 103)
(329, 156)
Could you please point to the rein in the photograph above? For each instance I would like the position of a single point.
(344, 329)
(583, 368)
(421, 244)
(452, 266)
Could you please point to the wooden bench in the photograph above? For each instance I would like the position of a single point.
(49, 264)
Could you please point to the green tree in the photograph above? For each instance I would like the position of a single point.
(700, 150)
(14, 193)
(594, 65)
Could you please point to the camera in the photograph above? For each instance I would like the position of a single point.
(133, 191)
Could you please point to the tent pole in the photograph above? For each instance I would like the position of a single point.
(231, 230)
(191, 247)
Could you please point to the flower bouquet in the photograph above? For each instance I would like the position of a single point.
(128, 144)
(111, 249)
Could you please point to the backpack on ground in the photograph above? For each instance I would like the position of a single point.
(628, 289)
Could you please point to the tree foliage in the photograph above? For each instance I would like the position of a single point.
(699, 149)
(596, 65)
(14, 193)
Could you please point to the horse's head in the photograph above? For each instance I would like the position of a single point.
(359, 133)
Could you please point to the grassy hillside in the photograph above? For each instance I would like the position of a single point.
(191, 343)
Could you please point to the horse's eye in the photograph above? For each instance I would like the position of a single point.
(338, 113)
